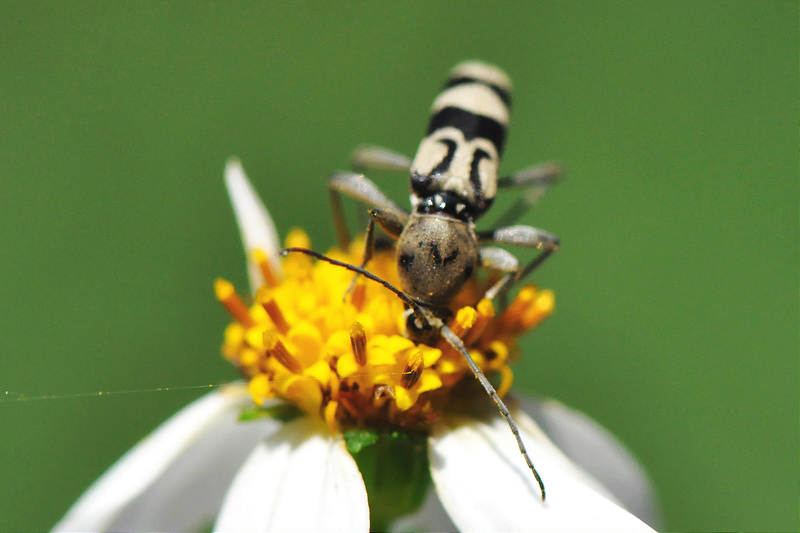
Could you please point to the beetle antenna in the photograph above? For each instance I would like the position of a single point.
(367, 274)
(448, 335)
(453, 340)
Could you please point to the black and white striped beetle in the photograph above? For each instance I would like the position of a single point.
(453, 182)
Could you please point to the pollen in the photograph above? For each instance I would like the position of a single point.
(338, 351)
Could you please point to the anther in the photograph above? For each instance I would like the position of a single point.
(357, 296)
(485, 311)
(542, 307)
(260, 258)
(358, 340)
(228, 297)
(334, 385)
(276, 349)
(330, 417)
(518, 306)
(297, 238)
(413, 371)
(260, 388)
(275, 314)
(465, 319)
(506, 380)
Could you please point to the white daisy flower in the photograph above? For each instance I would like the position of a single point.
(343, 424)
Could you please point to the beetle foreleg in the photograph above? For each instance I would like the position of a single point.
(378, 158)
(359, 188)
(390, 223)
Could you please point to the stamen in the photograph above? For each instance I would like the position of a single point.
(542, 307)
(248, 358)
(358, 340)
(334, 384)
(485, 311)
(297, 238)
(330, 417)
(259, 388)
(275, 314)
(234, 334)
(496, 352)
(413, 370)
(276, 349)
(313, 367)
(506, 380)
(228, 297)
(465, 319)
(518, 306)
(357, 297)
(260, 258)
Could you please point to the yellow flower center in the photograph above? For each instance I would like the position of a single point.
(342, 355)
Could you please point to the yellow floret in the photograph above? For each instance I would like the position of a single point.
(342, 355)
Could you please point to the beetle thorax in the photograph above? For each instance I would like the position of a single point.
(436, 255)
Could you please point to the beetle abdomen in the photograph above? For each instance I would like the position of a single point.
(466, 135)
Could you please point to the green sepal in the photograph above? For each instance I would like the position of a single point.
(394, 465)
(283, 412)
(358, 439)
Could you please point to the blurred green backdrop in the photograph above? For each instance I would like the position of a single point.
(677, 282)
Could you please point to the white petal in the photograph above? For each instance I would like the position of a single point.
(255, 224)
(175, 478)
(299, 479)
(484, 483)
(430, 517)
(599, 453)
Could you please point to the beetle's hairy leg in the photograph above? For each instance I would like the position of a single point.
(505, 283)
(339, 220)
(361, 189)
(536, 179)
(370, 157)
(369, 248)
(526, 236)
(390, 223)
(498, 259)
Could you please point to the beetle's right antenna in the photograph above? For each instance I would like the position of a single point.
(453, 340)
(448, 335)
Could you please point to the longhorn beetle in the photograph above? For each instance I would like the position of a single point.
(453, 182)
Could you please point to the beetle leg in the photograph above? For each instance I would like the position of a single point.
(526, 236)
(390, 223)
(537, 179)
(358, 187)
(497, 259)
(378, 158)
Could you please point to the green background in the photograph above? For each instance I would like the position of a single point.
(677, 282)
